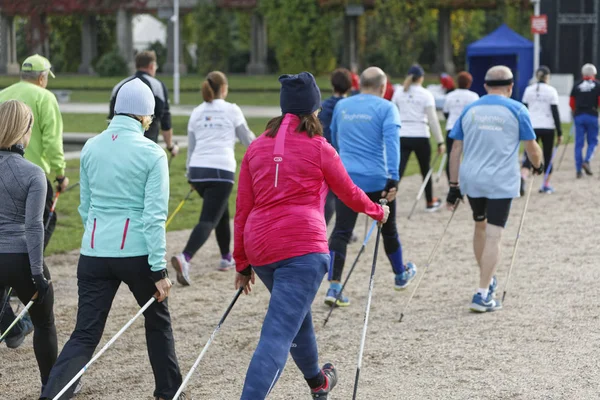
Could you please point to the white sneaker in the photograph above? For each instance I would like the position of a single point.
(182, 267)
(226, 265)
(434, 205)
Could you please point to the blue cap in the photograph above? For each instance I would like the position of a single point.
(416, 71)
(299, 94)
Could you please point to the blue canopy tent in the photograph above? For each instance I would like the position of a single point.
(501, 47)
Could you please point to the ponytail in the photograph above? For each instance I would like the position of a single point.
(208, 94)
(211, 87)
(410, 79)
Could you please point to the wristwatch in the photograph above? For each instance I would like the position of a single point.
(159, 275)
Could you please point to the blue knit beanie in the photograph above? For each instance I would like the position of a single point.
(136, 98)
(299, 94)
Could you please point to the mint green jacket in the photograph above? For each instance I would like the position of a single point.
(124, 194)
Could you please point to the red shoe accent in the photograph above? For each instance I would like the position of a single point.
(324, 386)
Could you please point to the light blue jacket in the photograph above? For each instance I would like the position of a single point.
(124, 194)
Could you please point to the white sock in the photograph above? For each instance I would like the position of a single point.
(483, 292)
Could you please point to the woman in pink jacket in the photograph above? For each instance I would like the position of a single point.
(280, 233)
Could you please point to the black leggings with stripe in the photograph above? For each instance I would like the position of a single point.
(422, 149)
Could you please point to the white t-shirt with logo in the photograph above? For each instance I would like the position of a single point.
(539, 98)
(455, 103)
(412, 106)
(212, 131)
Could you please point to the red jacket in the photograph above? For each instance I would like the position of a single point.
(281, 196)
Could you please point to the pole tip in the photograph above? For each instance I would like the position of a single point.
(401, 316)
(503, 296)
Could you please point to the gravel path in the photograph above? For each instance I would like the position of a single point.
(543, 345)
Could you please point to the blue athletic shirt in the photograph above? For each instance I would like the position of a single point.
(365, 130)
(491, 129)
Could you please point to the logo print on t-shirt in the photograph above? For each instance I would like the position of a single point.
(114, 137)
(587, 86)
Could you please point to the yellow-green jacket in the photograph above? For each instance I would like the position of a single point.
(46, 146)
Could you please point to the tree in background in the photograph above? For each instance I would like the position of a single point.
(65, 42)
(212, 35)
(300, 31)
(398, 31)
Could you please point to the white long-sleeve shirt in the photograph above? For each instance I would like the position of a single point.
(455, 103)
(212, 130)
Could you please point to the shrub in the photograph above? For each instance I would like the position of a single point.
(111, 64)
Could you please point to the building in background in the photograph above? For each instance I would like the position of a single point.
(573, 37)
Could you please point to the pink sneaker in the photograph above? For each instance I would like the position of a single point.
(226, 265)
(182, 267)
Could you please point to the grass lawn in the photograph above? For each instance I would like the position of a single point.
(96, 123)
(186, 83)
(258, 98)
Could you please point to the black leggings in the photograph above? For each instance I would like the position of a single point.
(329, 206)
(546, 136)
(422, 149)
(15, 272)
(52, 225)
(98, 280)
(344, 225)
(449, 144)
(214, 215)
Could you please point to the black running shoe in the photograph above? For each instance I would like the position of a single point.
(330, 382)
(586, 167)
(579, 174)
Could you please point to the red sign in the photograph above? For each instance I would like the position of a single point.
(539, 24)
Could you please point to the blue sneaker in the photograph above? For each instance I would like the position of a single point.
(493, 286)
(403, 279)
(547, 189)
(332, 298)
(479, 305)
(17, 340)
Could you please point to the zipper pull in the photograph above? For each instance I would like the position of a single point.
(277, 161)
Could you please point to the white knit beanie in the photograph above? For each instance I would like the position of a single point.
(135, 97)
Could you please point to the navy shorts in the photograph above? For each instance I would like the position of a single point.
(494, 210)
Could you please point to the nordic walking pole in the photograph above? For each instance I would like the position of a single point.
(514, 255)
(19, 317)
(106, 346)
(179, 208)
(212, 336)
(429, 260)
(362, 248)
(73, 186)
(441, 169)
(562, 157)
(547, 174)
(368, 308)
(51, 213)
(423, 186)
(4, 304)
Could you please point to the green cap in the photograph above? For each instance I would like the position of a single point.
(37, 63)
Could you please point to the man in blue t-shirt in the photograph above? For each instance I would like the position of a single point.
(490, 131)
(365, 130)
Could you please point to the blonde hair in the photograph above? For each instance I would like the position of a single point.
(146, 121)
(211, 87)
(16, 120)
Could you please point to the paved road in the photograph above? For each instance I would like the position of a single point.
(185, 111)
